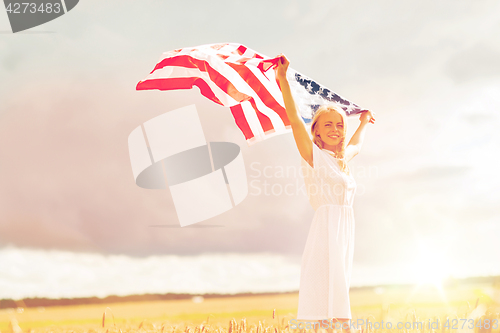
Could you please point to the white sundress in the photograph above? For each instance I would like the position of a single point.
(327, 259)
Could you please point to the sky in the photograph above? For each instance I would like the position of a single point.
(427, 174)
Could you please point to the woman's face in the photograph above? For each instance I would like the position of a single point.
(330, 128)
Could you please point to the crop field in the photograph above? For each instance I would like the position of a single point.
(460, 309)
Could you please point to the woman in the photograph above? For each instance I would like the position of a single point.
(328, 254)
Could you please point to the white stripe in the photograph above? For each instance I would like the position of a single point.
(249, 53)
(252, 120)
(229, 49)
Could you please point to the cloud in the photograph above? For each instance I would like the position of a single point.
(58, 274)
(479, 62)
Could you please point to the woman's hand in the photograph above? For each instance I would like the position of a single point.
(282, 65)
(366, 116)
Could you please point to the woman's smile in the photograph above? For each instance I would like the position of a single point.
(333, 137)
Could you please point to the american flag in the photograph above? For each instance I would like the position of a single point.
(237, 77)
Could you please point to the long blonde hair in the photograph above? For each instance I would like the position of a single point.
(339, 150)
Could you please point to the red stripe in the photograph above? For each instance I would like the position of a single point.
(190, 62)
(241, 121)
(179, 83)
(166, 84)
(264, 120)
(180, 61)
(222, 56)
(206, 91)
(264, 65)
(240, 50)
(265, 96)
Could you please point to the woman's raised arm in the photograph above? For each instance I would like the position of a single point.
(300, 134)
(354, 145)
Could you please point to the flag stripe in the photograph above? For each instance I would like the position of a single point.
(241, 121)
(179, 83)
(179, 72)
(237, 77)
(264, 120)
(241, 50)
(269, 118)
(261, 91)
(202, 65)
(253, 120)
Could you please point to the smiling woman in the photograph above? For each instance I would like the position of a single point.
(329, 130)
(326, 265)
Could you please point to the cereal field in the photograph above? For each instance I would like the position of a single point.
(470, 308)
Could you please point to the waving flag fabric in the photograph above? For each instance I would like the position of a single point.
(237, 77)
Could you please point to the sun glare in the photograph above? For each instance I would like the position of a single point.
(430, 265)
(430, 268)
